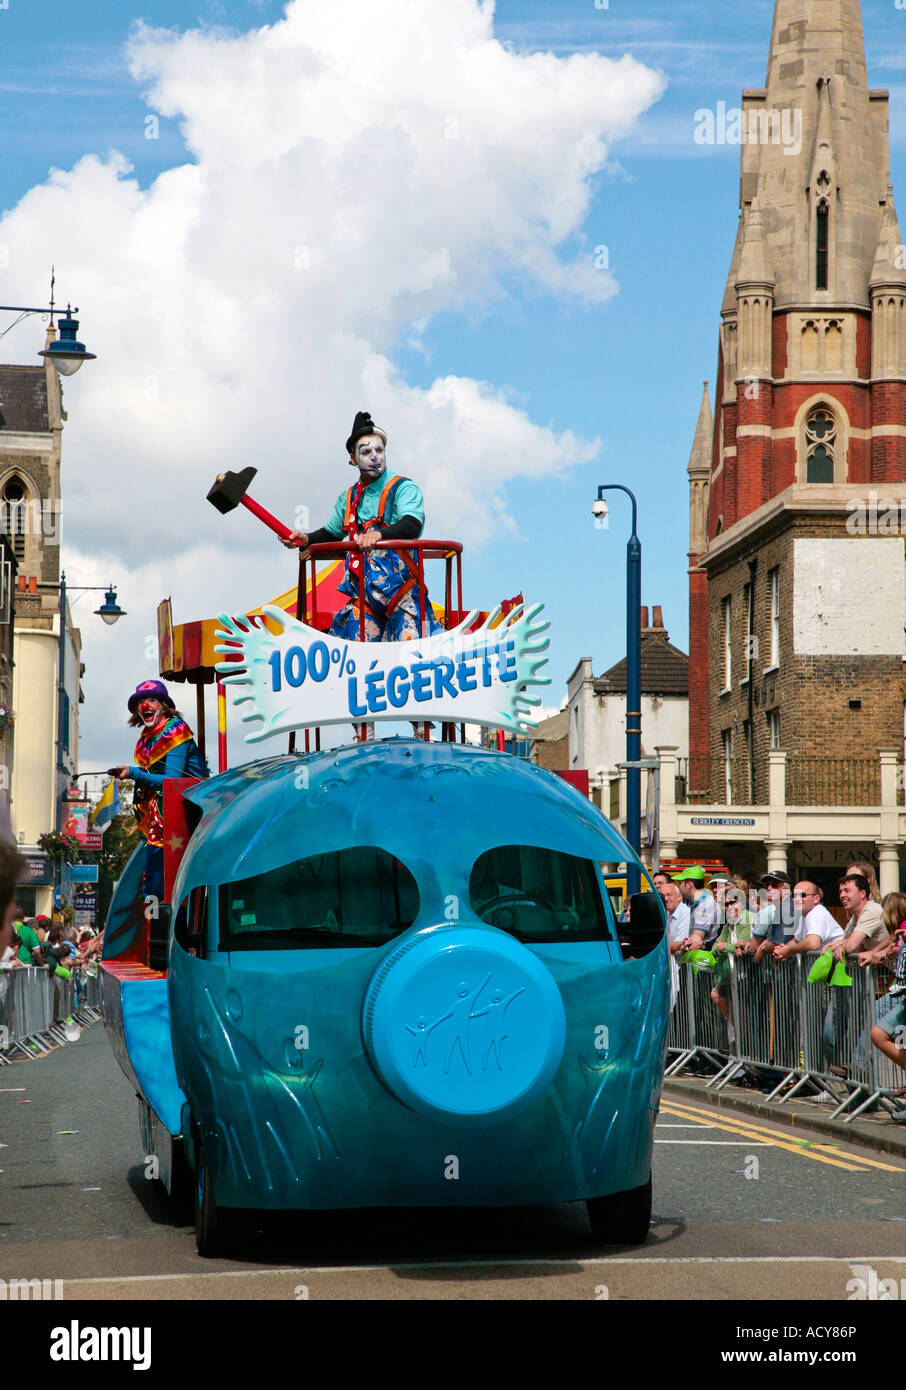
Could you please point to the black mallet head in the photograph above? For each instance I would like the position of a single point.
(230, 488)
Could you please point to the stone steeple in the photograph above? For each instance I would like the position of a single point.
(888, 299)
(811, 398)
(820, 134)
(699, 470)
(755, 299)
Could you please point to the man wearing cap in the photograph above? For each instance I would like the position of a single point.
(376, 509)
(775, 923)
(166, 748)
(703, 909)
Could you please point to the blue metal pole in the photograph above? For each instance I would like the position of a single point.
(633, 700)
(633, 688)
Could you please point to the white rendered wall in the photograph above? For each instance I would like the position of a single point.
(848, 596)
(597, 724)
(35, 706)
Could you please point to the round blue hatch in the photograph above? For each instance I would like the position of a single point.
(464, 1024)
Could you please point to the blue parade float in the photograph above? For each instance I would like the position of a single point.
(393, 975)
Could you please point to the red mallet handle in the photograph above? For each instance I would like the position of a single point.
(263, 515)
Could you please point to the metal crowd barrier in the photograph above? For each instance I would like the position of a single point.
(697, 1030)
(35, 1006)
(800, 1034)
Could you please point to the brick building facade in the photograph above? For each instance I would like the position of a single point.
(797, 601)
(46, 753)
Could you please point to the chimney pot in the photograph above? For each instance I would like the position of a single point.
(658, 618)
(644, 615)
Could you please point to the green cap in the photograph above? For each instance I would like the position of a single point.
(695, 872)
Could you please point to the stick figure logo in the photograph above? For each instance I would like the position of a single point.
(456, 1038)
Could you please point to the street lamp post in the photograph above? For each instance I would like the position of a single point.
(633, 681)
(66, 353)
(109, 611)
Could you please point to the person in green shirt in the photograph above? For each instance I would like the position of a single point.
(29, 938)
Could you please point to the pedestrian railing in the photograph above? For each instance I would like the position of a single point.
(35, 1006)
(804, 1036)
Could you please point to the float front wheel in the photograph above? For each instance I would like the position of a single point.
(623, 1218)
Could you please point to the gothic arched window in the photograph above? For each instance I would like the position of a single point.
(820, 446)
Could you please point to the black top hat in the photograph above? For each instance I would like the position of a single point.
(363, 425)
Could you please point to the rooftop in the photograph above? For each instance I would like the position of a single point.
(665, 669)
(23, 400)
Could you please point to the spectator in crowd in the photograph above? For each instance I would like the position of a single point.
(9, 958)
(865, 929)
(775, 923)
(703, 910)
(858, 867)
(660, 881)
(12, 867)
(677, 932)
(31, 943)
(734, 933)
(889, 1031)
(67, 942)
(816, 928)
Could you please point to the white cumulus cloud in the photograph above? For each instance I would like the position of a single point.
(352, 170)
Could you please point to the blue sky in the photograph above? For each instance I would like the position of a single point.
(627, 372)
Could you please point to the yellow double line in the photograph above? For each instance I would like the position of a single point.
(747, 1130)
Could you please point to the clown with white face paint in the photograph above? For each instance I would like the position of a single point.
(376, 508)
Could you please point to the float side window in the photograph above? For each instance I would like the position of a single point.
(539, 895)
(191, 923)
(350, 897)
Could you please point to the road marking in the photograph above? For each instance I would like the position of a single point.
(750, 1132)
(198, 1276)
(724, 1143)
(692, 1111)
(698, 1124)
(12, 1088)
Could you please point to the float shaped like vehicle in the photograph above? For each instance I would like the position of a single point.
(395, 979)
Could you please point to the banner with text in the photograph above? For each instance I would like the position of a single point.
(302, 677)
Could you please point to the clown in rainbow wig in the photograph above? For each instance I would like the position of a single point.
(376, 508)
(165, 748)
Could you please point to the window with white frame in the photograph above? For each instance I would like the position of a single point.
(747, 649)
(774, 728)
(727, 737)
(774, 578)
(728, 647)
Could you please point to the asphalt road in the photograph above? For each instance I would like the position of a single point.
(741, 1211)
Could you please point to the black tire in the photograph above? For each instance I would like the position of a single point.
(211, 1221)
(182, 1183)
(623, 1218)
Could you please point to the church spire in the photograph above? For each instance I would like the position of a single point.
(699, 470)
(817, 82)
(888, 299)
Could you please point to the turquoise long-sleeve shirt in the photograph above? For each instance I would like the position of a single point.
(407, 501)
